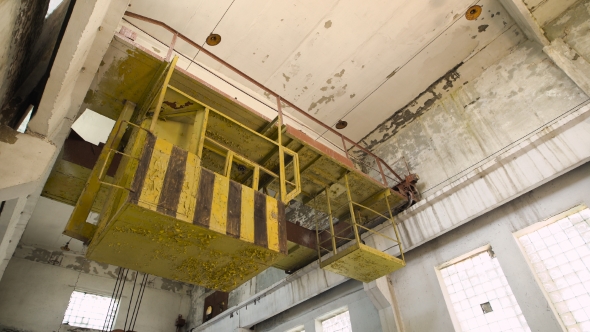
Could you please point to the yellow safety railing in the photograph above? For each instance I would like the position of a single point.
(201, 141)
(354, 212)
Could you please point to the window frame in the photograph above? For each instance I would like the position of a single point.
(533, 228)
(318, 321)
(443, 287)
(95, 293)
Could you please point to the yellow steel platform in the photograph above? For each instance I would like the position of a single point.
(362, 263)
(184, 222)
(203, 183)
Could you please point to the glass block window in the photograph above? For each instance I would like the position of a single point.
(560, 256)
(480, 296)
(338, 323)
(87, 310)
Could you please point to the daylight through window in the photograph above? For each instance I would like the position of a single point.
(481, 297)
(338, 323)
(560, 256)
(87, 310)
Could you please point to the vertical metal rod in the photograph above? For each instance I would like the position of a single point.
(332, 233)
(256, 178)
(280, 121)
(111, 314)
(351, 207)
(130, 301)
(104, 326)
(344, 146)
(407, 166)
(162, 94)
(283, 184)
(317, 231)
(399, 240)
(229, 157)
(118, 298)
(171, 47)
(381, 171)
(138, 302)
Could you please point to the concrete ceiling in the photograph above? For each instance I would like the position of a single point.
(338, 59)
(47, 223)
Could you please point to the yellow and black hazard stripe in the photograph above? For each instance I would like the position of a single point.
(169, 181)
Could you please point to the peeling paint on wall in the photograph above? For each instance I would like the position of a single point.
(412, 110)
(80, 264)
(573, 26)
(446, 132)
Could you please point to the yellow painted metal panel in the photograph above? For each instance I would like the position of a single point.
(190, 186)
(152, 188)
(247, 215)
(67, 181)
(272, 223)
(154, 243)
(362, 263)
(77, 227)
(218, 221)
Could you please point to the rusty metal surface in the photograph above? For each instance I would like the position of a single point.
(473, 12)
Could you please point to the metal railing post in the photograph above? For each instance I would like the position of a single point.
(399, 240)
(351, 207)
(162, 94)
(332, 232)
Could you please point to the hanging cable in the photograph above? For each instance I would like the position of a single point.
(111, 302)
(403, 65)
(203, 45)
(138, 300)
(130, 301)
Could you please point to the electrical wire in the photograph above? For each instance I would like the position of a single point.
(402, 66)
(203, 45)
(287, 115)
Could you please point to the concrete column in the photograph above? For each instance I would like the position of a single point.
(566, 58)
(573, 64)
(89, 32)
(382, 296)
(525, 20)
(526, 290)
(26, 159)
(9, 218)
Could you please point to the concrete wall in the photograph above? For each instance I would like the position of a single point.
(573, 27)
(34, 293)
(510, 99)
(417, 288)
(20, 25)
(363, 315)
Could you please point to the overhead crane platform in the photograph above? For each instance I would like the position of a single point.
(202, 183)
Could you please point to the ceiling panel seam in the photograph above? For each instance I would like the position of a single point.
(279, 67)
(401, 67)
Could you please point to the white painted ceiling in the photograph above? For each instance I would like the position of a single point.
(343, 59)
(47, 223)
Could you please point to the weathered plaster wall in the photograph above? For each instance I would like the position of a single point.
(417, 288)
(20, 25)
(363, 315)
(40, 281)
(573, 26)
(510, 99)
